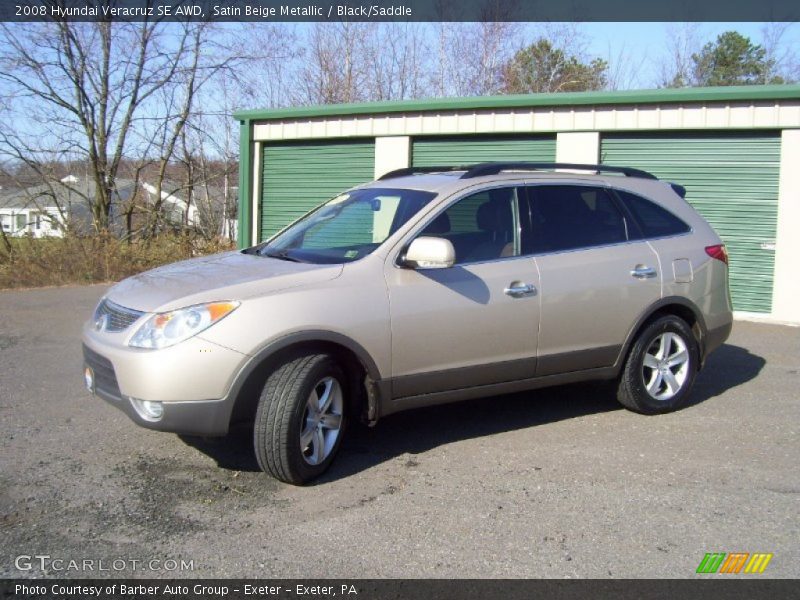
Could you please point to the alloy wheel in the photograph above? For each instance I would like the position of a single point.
(322, 421)
(666, 366)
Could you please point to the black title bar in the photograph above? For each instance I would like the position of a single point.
(400, 10)
(396, 589)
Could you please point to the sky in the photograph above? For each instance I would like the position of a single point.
(643, 46)
(649, 40)
(647, 43)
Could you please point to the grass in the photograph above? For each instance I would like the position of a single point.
(83, 260)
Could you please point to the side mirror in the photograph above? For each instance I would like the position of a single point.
(430, 253)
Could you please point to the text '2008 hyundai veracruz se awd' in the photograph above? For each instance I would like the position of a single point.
(424, 287)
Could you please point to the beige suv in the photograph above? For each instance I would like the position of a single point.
(424, 287)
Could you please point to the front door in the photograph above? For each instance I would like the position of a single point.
(475, 323)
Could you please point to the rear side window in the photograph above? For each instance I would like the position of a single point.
(653, 220)
(567, 217)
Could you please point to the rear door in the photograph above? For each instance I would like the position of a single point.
(595, 280)
(732, 180)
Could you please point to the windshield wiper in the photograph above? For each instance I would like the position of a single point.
(282, 255)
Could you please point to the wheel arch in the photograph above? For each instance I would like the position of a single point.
(670, 305)
(358, 364)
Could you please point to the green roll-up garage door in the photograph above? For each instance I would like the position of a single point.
(732, 180)
(467, 150)
(299, 176)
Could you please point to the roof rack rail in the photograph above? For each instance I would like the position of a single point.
(412, 170)
(493, 168)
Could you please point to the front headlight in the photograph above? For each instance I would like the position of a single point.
(167, 329)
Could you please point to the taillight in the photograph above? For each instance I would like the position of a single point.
(718, 252)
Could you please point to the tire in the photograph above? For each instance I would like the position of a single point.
(294, 441)
(661, 367)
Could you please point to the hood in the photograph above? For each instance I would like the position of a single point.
(227, 276)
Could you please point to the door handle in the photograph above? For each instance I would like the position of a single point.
(517, 289)
(643, 272)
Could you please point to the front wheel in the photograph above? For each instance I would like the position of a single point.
(661, 367)
(301, 418)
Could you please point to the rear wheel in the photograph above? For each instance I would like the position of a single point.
(661, 367)
(301, 418)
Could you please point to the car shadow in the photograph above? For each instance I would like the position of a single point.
(728, 367)
(421, 430)
(418, 431)
(459, 281)
(233, 452)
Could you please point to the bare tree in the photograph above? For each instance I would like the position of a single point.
(273, 52)
(333, 69)
(471, 56)
(781, 56)
(101, 91)
(205, 174)
(179, 101)
(396, 61)
(624, 69)
(676, 68)
(216, 138)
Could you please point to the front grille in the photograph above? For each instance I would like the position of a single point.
(118, 318)
(105, 379)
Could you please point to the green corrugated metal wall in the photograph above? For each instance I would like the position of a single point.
(732, 180)
(299, 176)
(466, 150)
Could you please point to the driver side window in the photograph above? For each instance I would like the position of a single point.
(483, 226)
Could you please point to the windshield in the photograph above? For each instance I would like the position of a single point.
(348, 227)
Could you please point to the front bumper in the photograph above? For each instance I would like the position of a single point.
(192, 380)
(207, 418)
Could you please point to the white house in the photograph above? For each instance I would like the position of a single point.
(44, 210)
(178, 209)
(20, 216)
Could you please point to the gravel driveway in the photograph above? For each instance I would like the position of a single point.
(556, 483)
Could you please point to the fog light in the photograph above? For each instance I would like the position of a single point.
(88, 378)
(148, 410)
